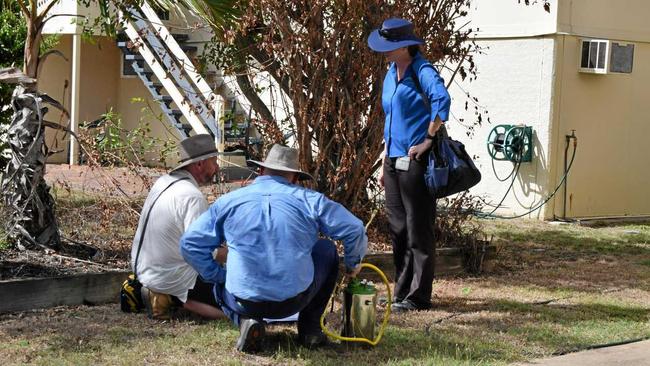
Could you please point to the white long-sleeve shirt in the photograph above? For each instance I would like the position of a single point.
(160, 265)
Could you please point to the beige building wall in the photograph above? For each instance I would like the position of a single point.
(102, 88)
(138, 110)
(610, 115)
(54, 79)
(529, 74)
(619, 19)
(98, 86)
(609, 112)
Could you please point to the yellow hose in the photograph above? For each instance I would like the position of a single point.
(383, 324)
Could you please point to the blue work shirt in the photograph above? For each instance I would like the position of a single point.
(407, 117)
(271, 227)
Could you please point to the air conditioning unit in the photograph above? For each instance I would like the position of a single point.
(594, 56)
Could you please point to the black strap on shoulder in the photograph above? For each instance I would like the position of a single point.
(146, 221)
(418, 87)
(442, 131)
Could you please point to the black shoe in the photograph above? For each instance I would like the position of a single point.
(313, 340)
(251, 335)
(406, 306)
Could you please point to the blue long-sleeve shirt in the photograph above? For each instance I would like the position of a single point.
(271, 227)
(407, 117)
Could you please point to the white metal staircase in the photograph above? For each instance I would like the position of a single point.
(161, 63)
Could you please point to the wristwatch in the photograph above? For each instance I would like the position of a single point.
(430, 137)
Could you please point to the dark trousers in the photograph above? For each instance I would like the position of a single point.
(411, 212)
(310, 303)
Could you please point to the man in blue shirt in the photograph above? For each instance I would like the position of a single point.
(277, 263)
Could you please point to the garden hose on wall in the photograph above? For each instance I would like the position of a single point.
(511, 143)
(514, 143)
(365, 297)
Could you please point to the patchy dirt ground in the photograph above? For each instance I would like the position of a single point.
(552, 290)
(109, 182)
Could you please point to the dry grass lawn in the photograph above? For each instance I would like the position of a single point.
(552, 290)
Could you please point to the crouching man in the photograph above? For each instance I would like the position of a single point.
(277, 263)
(173, 203)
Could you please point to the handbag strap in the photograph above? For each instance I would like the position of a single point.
(418, 87)
(442, 131)
(146, 221)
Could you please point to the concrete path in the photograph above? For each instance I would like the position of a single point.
(632, 354)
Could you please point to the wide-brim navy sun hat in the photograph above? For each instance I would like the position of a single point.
(394, 33)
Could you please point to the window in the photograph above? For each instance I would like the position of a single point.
(594, 56)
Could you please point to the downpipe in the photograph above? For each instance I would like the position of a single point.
(568, 139)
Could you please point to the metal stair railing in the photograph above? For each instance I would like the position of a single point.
(176, 74)
(179, 65)
(168, 84)
(213, 99)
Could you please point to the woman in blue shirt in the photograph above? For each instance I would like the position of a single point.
(416, 104)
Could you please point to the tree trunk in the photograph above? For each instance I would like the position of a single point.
(32, 48)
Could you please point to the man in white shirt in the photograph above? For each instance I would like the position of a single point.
(173, 203)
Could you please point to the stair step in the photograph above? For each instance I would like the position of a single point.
(133, 57)
(124, 46)
(180, 37)
(188, 49)
(165, 99)
(177, 113)
(148, 73)
(156, 86)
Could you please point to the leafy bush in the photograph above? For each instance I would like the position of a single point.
(106, 142)
(12, 42)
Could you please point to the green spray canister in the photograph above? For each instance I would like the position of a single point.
(360, 309)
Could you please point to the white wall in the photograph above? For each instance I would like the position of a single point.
(65, 22)
(507, 18)
(514, 84)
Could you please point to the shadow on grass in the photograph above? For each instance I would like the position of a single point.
(399, 345)
(579, 242)
(507, 331)
(554, 328)
(552, 312)
(550, 328)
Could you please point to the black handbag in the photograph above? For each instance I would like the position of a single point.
(450, 169)
(131, 290)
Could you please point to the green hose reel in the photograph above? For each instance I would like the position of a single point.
(511, 143)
